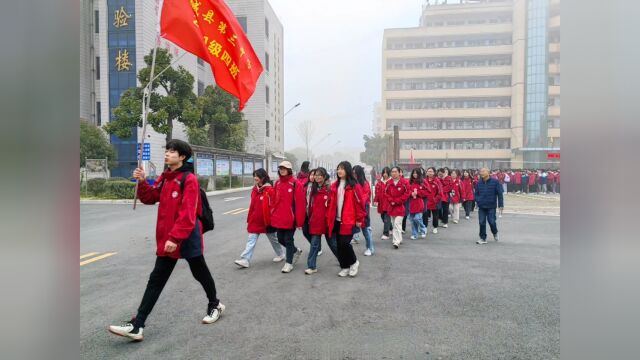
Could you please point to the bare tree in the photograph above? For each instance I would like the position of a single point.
(306, 129)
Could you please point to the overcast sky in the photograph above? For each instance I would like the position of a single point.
(332, 64)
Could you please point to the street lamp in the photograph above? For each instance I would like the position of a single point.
(294, 106)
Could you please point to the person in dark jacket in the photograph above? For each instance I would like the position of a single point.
(487, 192)
(178, 235)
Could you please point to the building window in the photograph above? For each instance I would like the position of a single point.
(200, 61)
(267, 92)
(200, 88)
(97, 67)
(96, 21)
(243, 22)
(266, 27)
(98, 114)
(267, 128)
(266, 60)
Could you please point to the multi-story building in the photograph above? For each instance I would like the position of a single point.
(475, 84)
(377, 124)
(115, 37)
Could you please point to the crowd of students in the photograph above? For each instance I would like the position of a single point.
(529, 181)
(318, 207)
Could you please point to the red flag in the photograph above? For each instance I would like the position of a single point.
(412, 160)
(210, 30)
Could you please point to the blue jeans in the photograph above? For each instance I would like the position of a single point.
(251, 245)
(367, 237)
(313, 252)
(417, 227)
(485, 215)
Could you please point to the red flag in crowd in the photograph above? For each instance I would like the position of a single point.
(210, 30)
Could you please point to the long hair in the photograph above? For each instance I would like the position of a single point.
(262, 175)
(351, 181)
(320, 171)
(419, 179)
(305, 167)
(435, 173)
(359, 174)
(386, 170)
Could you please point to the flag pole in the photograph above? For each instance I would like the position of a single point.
(146, 97)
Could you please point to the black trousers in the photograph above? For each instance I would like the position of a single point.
(444, 212)
(434, 214)
(160, 275)
(467, 207)
(346, 255)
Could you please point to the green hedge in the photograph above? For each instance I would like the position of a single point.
(114, 188)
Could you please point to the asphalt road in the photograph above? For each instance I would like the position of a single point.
(443, 297)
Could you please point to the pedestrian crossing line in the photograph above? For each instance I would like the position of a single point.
(87, 255)
(240, 212)
(230, 211)
(103, 256)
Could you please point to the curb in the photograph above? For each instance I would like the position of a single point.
(130, 201)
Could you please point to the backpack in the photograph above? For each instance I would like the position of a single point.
(207, 214)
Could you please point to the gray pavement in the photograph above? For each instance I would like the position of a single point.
(443, 297)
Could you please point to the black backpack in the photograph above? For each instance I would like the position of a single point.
(207, 214)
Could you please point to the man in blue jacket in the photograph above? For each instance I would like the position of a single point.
(487, 191)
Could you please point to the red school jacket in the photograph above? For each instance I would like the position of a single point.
(446, 188)
(466, 189)
(397, 195)
(416, 205)
(517, 178)
(533, 178)
(319, 205)
(457, 190)
(353, 210)
(434, 190)
(178, 212)
(380, 196)
(259, 216)
(551, 177)
(285, 200)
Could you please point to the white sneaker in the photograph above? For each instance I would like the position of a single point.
(243, 263)
(279, 258)
(384, 237)
(445, 225)
(435, 230)
(423, 235)
(213, 314)
(455, 221)
(402, 231)
(368, 252)
(353, 269)
(466, 217)
(343, 272)
(127, 330)
(287, 268)
(319, 252)
(396, 245)
(495, 237)
(310, 271)
(413, 237)
(481, 242)
(296, 256)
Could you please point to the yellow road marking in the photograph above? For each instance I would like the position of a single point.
(97, 258)
(230, 211)
(240, 212)
(87, 255)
